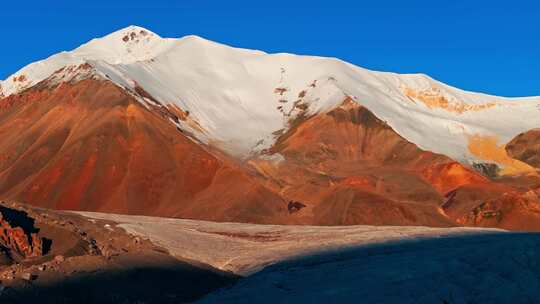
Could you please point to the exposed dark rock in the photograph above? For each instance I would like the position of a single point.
(295, 206)
(487, 169)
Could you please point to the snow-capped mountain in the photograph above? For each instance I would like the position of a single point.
(240, 98)
(135, 123)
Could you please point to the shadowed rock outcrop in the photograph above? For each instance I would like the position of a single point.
(82, 257)
(19, 237)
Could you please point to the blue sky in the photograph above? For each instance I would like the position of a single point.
(486, 46)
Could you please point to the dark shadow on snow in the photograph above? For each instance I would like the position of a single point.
(156, 284)
(504, 255)
(446, 269)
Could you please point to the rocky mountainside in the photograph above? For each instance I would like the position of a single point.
(138, 124)
(78, 258)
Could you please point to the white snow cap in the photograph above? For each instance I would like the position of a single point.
(240, 97)
(128, 45)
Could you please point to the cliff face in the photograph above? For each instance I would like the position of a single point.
(19, 238)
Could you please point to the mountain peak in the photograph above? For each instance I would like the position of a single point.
(130, 33)
(127, 45)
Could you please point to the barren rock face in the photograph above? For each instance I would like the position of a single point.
(90, 145)
(19, 238)
(526, 147)
(349, 167)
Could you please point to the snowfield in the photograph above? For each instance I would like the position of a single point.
(241, 97)
(247, 248)
(352, 264)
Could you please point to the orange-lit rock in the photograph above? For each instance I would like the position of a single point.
(526, 147)
(348, 157)
(494, 205)
(448, 176)
(349, 167)
(434, 99)
(91, 146)
(488, 148)
(18, 236)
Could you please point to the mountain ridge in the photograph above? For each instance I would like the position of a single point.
(264, 91)
(123, 33)
(138, 124)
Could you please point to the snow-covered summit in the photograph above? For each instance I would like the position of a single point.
(128, 45)
(240, 97)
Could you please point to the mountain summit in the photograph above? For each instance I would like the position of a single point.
(125, 46)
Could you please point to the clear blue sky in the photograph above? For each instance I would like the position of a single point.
(487, 46)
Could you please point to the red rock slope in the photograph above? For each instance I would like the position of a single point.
(90, 145)
(349, 167)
